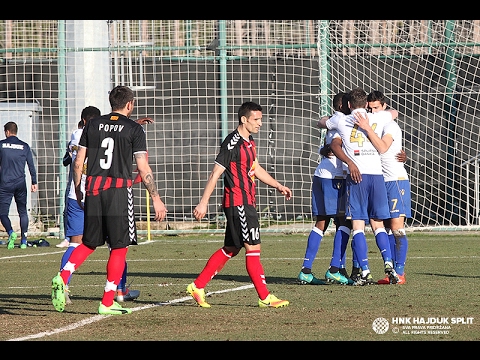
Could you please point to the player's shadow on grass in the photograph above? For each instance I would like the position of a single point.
(452, 275)
(191, 277)
(21, 305)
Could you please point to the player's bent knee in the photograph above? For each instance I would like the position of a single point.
(399, 233)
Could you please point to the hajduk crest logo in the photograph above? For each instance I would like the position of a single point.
(419, 325)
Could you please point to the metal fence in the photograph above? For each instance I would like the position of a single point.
(191, 76)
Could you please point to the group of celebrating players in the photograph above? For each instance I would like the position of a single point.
(360, 180)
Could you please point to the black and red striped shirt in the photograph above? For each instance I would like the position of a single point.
(237, 155)
(111, 141)
(95, 184)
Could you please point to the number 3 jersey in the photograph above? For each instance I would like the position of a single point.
(111, 141)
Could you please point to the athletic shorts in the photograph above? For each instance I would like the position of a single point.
(242, 226)
(328, 197)
(75, 217)
(367, 199)
(109, 218)
(399, 198)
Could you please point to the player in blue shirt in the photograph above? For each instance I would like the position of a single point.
(14, 154)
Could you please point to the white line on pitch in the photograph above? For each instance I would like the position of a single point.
(96, 318)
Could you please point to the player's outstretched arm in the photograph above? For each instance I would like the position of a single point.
(322, 123)
(379, 143)
(262, 175)
(201, 209)
(336, 146)
(77, 173)
(146, 174)
(144, 120)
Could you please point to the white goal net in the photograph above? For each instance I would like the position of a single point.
(191, 76)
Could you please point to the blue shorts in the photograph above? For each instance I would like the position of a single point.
(399, 198)
(367, 199)
(328, 197)
(75, 218)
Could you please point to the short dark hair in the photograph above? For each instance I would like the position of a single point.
(120, 96)
(11, 127)
(340, 103)
(246, 108)
(357, 98)
(376, 95)
(88, 113)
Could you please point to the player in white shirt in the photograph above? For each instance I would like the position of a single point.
(397, 184)
(366, 191)
(328, 199)
(67, 161)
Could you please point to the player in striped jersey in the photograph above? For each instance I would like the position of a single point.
(112, 140)
(74, 214)
(237, 162)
